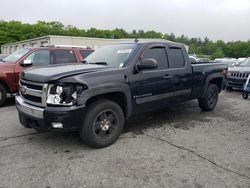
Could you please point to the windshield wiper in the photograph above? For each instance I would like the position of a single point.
(99, 63)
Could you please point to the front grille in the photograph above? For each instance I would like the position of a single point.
(36, 87)
(239, 75)
(33, 93)
(32, 98)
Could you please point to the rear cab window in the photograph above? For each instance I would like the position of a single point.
(62, 56)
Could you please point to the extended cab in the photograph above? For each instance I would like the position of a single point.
(117, 81)
(12, 65)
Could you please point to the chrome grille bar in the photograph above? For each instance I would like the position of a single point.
(33, 93)
(239, 75)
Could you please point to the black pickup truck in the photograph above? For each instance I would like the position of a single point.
(115, 82)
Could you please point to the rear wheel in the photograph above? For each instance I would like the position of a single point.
(3, 95)
(244, 95)
(103, 123)
(210, 100)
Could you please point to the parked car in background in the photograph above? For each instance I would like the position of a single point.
(204, 60)
(117, 81)
(229, 61)
(193, 59)
(238, 75)
(12, 65)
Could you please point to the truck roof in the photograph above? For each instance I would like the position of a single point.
(143, 42)
(56, 47)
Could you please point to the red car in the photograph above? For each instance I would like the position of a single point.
(11, 66)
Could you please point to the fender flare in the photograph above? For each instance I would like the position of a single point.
(105, 89)
(208, 80)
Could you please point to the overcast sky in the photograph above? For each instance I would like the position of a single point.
(228, 20)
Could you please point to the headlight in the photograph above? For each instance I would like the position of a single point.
(64, 94)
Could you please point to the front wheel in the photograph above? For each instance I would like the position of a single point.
(210, 100)
(103, 123)
(3, 95)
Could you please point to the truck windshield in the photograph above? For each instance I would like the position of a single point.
(115, 55)
(15, 56)
(245, 63)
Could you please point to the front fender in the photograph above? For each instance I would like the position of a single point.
(106, 89)
(6, 82)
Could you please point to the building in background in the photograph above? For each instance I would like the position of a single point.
(93, 43)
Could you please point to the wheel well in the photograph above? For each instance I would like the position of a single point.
(117, 97)
(3, 83)
(218, 82)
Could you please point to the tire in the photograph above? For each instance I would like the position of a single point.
(103, 124)
(244, 95)
(3, 95)
(210, 100)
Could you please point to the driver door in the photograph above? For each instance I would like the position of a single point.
(155, 85)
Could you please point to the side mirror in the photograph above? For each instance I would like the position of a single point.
(147, 64)
(83, 61)
(27, 62)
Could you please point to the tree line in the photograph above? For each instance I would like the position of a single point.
(13, 31)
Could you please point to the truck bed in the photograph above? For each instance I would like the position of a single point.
(201, 72)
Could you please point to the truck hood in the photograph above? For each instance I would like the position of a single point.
(239, 69)
(52, 73)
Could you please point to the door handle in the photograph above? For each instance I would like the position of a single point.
(167, 76)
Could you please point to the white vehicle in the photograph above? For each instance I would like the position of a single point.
(193, 59)
(230, 61)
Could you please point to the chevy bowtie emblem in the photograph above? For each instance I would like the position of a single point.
(23, 90)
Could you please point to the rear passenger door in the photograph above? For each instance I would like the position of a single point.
(181, 72)
(64, 56)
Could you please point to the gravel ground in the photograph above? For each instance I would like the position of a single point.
(178, 147)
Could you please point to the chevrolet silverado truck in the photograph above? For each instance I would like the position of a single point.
(117, 81)
(237, 75)
(12, 65)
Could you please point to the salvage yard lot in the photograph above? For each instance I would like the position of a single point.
(177, 147)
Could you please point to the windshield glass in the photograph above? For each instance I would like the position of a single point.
(15, 56)
(116, 55)
(245, 63)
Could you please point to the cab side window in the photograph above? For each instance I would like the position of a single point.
(64, 56)
(176, 58)
(40, 57)
(159, 54)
